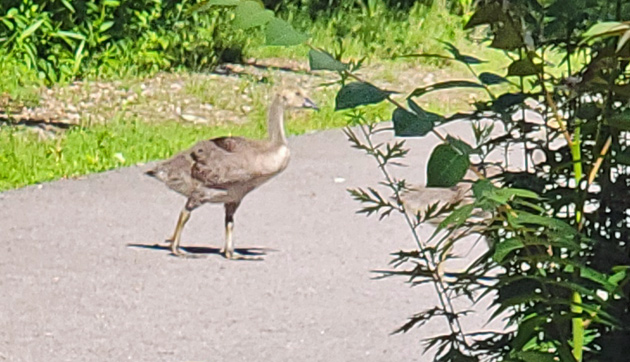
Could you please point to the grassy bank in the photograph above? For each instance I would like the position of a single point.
(376, 33)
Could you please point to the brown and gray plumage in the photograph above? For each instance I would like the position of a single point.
(224, 170)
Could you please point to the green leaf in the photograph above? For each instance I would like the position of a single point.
(534, 356)
(623, 40)
(605, 29)
(445, 85)
(105, 26)
(447, 166)
(407, 124)
(466, 59)
(597, 277)
(281, 33)
(507, 100)
(507, 37)
(524, 67)
(504, 248)
(491, 78)
(68, 5)
(30, 30)
(250, 14)
(620, 121)
(510, 192)
(205, 5)
(69, 34)
(457, 217)
(357, 93)
(486, 14)
(321, 60)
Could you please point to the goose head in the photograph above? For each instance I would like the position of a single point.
(294, 98)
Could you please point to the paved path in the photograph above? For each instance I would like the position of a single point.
(72, 289)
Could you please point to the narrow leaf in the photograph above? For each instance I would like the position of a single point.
(505, 247)
(30, 30)
(445, 85)
(457, 217)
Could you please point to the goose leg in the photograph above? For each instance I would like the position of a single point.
(177, 234)
(228, 249)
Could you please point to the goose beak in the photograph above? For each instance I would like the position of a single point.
(309, 104)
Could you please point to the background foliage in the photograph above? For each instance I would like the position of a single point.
(558, 264)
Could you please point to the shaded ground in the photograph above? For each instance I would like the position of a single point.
(74, 290)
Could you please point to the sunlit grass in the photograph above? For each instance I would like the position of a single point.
(26, 159)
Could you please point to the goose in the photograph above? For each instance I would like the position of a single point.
(224, 170)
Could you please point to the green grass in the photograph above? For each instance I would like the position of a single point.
(26, 159)
(377, 34)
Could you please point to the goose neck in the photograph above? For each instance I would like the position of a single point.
(275, 124)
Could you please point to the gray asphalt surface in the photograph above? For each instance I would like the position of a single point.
(73, 289)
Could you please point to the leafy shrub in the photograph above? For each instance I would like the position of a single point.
(64, 39)
(555, 215)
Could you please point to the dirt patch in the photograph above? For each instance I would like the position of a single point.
(225, 96)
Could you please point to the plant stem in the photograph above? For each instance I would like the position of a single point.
(438, 282)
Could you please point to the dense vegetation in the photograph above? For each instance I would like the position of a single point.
(49, 43)
(554, 213)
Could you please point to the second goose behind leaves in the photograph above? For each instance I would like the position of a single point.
(224, 170)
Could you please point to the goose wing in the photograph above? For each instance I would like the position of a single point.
(223, 162)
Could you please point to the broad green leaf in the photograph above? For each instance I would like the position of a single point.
(459, 145)
(30, 30)
(205, 5)
(250, 14)
(507, 100)
(486, 14)
(504, 248)
(457, 217)
(507, 37)
(445, 85)
(491, 78)
(447, 166)
(357, 93)
(281, 33)
(418, 122)
(321, 60)
(407, 124)
(523, 68)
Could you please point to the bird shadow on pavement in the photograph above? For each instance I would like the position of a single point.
(201, 251)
